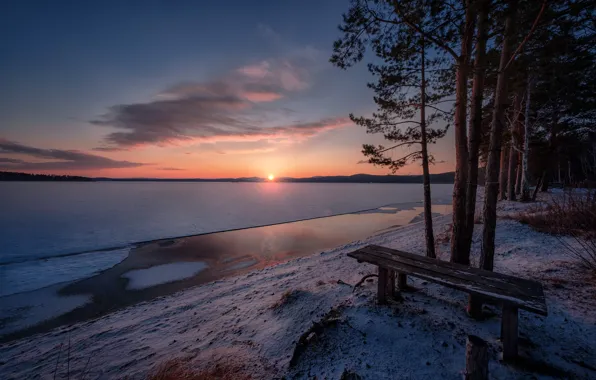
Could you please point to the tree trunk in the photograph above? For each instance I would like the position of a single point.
(511, 172)
(504, 160)
(551, 159)
(511, 177)
(525, 192)
(518, 174)
(475, 127)
(458, 251)
(491, 186)
(428, 216)
(476, 359)
(538, 186)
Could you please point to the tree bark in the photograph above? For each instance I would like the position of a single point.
(491, 187)
(475, 126)
(511, 171)
(428, 217)
(458, 251)
(551, 159)
(513, 154)
(518, 174)
(504, 160)
(525, 191)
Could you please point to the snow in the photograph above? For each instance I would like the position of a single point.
(234, 321)
(29, 309)
(161, 274)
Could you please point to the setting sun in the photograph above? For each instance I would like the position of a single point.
(271, 177)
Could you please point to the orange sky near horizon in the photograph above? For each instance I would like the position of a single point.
(267, 103)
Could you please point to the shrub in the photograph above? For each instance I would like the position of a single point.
(573, 215)
(180, 369)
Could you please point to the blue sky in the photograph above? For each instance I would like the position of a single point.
(136, 88)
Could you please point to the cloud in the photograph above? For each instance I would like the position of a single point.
(7, 160)
(269, 34)
(193, 113)
(257, 71)
(231, 108)
(191, 121)
(282, 74)
(61, 159)
(247, 151)
(169, 168)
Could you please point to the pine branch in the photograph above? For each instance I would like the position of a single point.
(417, 28)
(409, 143)
(527, 38)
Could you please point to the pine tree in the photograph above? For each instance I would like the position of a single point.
(409, 86)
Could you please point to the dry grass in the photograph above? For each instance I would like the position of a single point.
(569, 214)
(180, 369)
(444, 237)
(572, 215)
(288, 297)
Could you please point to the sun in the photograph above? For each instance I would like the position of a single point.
(271, 177)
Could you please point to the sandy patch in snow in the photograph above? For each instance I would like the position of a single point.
(162, 274)
(422, 337)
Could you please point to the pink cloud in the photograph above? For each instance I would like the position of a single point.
(257, 71)
(259, 97)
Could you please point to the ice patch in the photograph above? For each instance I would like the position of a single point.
(161, 274)
(19, 311)
(36, 274)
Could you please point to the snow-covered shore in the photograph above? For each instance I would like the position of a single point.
(235, 322)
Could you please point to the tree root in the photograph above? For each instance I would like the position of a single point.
(364, 279)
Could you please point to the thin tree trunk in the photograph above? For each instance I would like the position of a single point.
(491, 187)
(504, 159)
(551, 159)
(428, 217)
(475, 305)
(511, 172)
(538, 185)
(475, 127)
(518, 174)
(526, 152)
(458, 251)
(511, 177)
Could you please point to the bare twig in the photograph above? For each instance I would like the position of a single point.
(58, 360)
(85, 368)
(68, 360)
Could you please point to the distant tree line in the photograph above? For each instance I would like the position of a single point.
(16, 176)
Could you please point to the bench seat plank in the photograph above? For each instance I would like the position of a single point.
(522, 293)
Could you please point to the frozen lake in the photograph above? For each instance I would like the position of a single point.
(52, 227)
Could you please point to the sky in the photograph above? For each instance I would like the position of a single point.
(182, 89)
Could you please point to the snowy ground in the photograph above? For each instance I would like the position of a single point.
(243, 321)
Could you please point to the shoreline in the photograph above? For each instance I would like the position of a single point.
(219, 255)
(253, 321)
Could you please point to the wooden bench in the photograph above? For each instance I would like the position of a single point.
(512, 292)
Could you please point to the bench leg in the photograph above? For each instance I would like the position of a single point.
(509, 324)
(402, 281)
(382, 286)
(391, 283)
